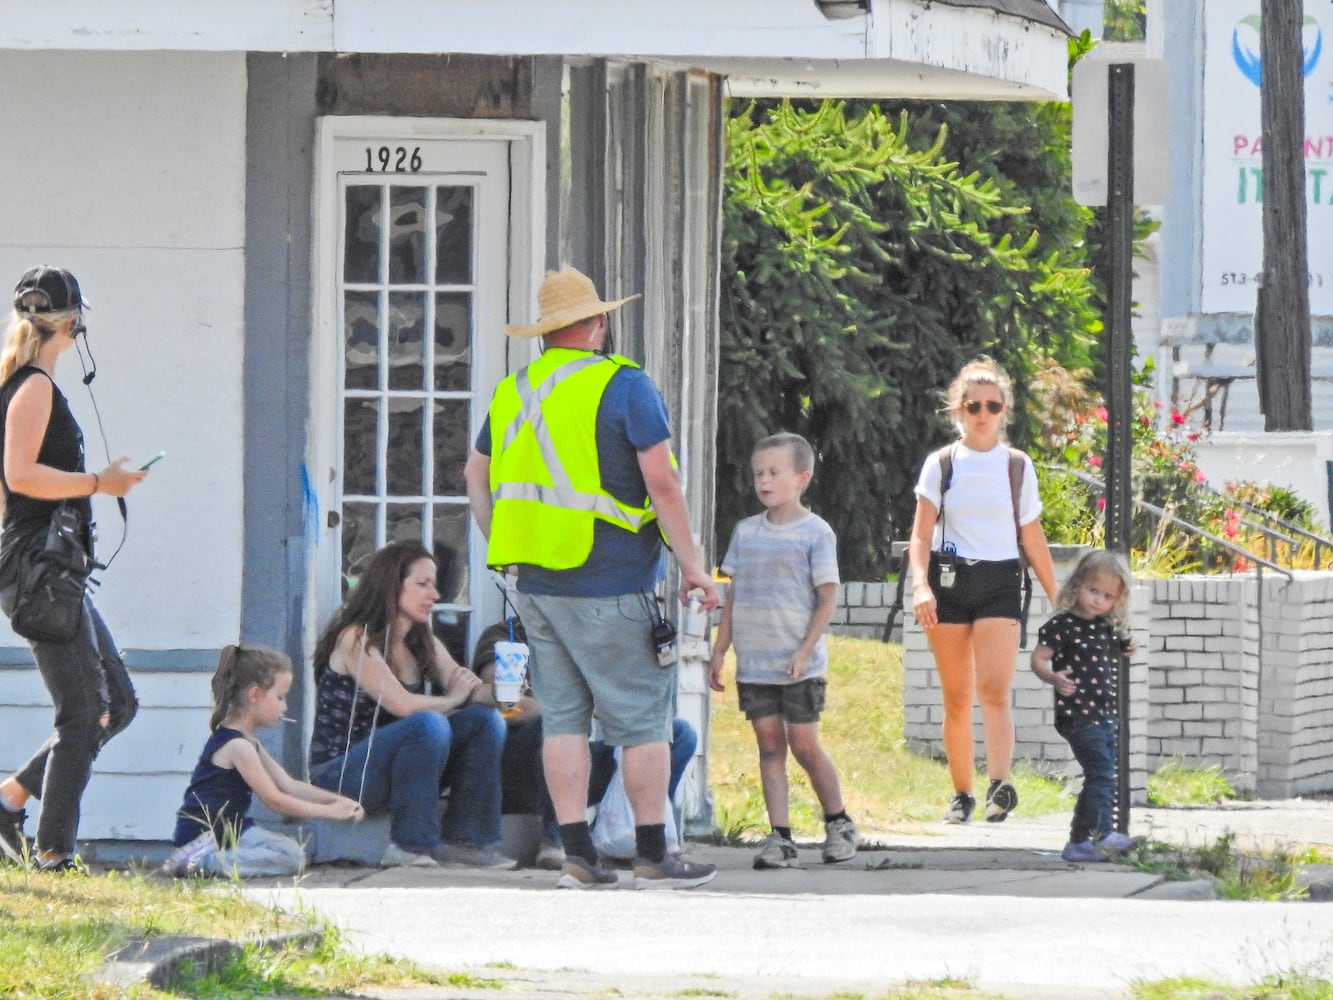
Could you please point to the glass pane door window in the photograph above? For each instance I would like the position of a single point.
(407, 293)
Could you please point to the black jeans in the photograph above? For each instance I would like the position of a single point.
(86, 679)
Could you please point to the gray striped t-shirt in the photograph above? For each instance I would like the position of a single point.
(774, 570)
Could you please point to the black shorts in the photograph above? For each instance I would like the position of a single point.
(800, 702)
(980, 590)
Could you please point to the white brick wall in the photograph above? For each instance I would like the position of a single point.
(1226, 673)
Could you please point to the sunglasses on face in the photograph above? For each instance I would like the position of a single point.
(973, 406)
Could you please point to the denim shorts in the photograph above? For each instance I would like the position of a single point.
(800, 702)
(981, 589)
(588, 651)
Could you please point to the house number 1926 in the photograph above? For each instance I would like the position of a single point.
(399, 159)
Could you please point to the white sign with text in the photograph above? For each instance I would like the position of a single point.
(1232, 257)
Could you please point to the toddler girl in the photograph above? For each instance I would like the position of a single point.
(1077, 652)
(214, 832)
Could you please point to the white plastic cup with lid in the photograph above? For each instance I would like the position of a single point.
(511, 670)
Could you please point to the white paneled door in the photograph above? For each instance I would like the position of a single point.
(415, 287)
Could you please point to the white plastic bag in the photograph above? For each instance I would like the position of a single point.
(613, 830)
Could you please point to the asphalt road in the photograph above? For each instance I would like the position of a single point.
(1024, 947)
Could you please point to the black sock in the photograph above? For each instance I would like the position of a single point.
(840, 814)
(783, 831)
(650, 841)
(578, 841)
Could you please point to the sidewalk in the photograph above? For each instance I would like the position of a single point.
(1019, 857)
(906, 908)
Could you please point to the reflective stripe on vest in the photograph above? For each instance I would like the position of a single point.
(541, 516)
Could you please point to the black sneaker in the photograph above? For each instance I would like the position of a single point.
(62, 866)
(578, 873)
(671, 873)
(1001, 798)
(13, 845)
(960, 808)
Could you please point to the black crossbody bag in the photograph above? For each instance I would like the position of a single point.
(53, 580)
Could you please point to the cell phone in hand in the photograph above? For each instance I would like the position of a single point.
(152, 461)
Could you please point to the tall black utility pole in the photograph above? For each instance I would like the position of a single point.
(1119, 305)
(1119, 385)
(1282, 314)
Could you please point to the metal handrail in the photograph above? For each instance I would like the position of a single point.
(1179, 522)
(1320, 541)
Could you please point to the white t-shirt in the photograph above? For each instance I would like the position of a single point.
(978, 507)
(775, 569)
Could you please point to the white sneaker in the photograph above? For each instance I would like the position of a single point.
(198, 857)
(398, 857)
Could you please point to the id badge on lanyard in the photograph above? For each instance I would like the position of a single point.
(948, 562)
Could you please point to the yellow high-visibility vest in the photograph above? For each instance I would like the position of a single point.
(546, 483)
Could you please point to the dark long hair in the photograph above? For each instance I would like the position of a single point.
(373, 603)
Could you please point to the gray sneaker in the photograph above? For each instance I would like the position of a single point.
(399, 857)
(671, 873)
(577, 873)
(550, 856)
(840, 841)
(466, 855)
(777, 852)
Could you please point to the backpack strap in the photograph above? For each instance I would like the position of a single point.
(1016, 471)
(945, 456)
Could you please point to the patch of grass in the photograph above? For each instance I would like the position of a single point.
(1276, 987)
(1177, 783)
(59, 930)
(703, 991)
(885, 784)
(1271, 877)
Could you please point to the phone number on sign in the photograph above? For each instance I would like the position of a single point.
(1314, 280)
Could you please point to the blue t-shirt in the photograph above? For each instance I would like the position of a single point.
(632, 417)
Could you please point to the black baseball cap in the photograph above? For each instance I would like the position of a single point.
(60, 288)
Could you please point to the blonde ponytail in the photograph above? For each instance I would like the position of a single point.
(21, 346)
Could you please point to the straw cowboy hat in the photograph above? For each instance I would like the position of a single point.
(566, 297)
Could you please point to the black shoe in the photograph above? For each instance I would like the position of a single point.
(1001, 798)
(960, 808)
(14, 846)
(62, 866)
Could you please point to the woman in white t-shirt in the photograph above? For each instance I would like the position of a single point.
(967, 577)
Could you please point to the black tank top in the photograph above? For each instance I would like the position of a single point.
(26, 518)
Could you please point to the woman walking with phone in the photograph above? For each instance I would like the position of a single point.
(42, 459)
(967, 577)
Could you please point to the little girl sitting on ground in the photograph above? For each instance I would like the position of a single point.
(214, 832)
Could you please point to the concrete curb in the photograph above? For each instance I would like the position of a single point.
(162, 961)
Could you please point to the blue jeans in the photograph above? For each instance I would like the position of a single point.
(1095, 750)
(408, 762)
(85, 678)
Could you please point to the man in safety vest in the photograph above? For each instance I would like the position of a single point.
(572, 480)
